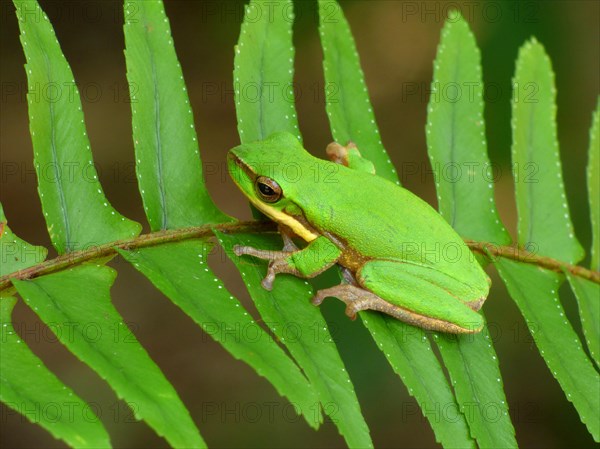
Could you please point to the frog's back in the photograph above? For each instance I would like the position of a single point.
(394, 223)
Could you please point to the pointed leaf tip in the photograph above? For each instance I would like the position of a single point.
(543, 227)
(456, 138)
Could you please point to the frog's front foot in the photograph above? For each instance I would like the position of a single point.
(278, 262)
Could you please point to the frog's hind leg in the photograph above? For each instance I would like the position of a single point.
(358, 299)
(423, 296)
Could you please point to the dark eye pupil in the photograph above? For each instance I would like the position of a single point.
(266, 190)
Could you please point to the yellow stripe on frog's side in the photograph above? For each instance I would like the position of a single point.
(283, 218)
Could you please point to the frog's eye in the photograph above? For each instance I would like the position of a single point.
(267, 189)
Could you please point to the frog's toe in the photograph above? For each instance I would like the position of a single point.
(238, 250)
(263, 254)
(355, 298)
(318, 299)
(277, 266)
(337, 153)
(351, 311)
(267, 282)
(339, 291)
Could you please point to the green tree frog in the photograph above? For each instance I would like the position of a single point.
(398, 255)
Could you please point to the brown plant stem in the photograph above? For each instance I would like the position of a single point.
(141, 241)
(157, 238)
(522, 255)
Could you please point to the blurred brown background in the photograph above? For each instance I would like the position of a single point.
(397, 42)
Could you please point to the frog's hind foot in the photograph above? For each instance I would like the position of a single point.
(355, 298)
(349, 156)
(339, 153)
(358, 299)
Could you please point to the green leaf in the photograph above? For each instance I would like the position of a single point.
(535, 291)
(180, 271)
(77, 303)
(408, 351)
(544, 225)
(301, 327)
(456, 139)
(30, 388)
(77, 213)
(264, 70)
(473, 368)
(167, 159)
(347, 101)
(593, 182)
(457, 150)
(588, 299)
(16, 254)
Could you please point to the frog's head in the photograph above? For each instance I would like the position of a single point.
(270, 172)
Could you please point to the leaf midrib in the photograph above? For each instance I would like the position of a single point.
(474, 391)
(529, 156)
(157, 125)
(453, 108)
(335, 56)
(55, 165)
